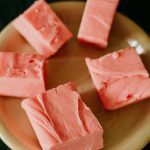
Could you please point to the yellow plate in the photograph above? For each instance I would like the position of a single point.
(124, 129)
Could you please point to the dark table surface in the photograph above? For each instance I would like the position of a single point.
(137, 10)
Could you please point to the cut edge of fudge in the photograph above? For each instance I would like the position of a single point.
(23, 27)
(91, 42)
(84, 145)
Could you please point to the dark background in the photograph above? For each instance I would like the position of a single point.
(137, 10)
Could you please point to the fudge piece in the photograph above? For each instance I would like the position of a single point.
(42, 28)
(21, 75)
(96, 22)
(120, 78)
(62, 121)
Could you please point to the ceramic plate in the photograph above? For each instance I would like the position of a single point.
(127, 128)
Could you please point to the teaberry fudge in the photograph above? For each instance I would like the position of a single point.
(42, 28)
(21, 75)
(120, 78)
(62, 121)
(96, 22)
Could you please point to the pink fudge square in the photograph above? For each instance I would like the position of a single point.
(96, 22)
(62, 121)
(120, 78)
(42, 28)
(21, 75)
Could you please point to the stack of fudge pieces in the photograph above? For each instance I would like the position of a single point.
(59, 117)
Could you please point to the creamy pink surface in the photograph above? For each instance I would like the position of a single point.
(125, 91)
(21, 75)
(42, 28)
(96, 22)
(62, 121)
(120, 78)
